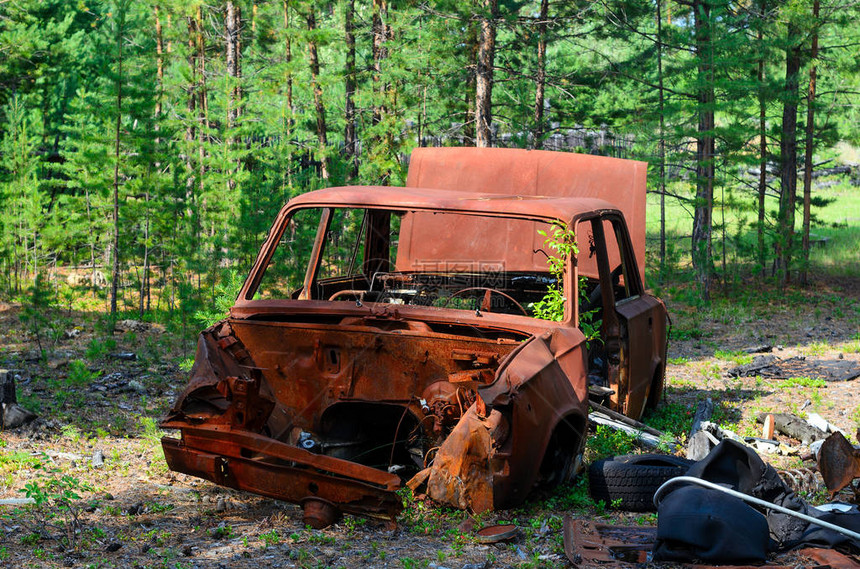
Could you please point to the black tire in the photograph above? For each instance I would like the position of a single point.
(629, 482)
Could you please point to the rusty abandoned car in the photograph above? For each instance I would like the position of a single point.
(387, 336)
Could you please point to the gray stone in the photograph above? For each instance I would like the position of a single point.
(699, 446)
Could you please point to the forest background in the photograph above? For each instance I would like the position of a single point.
(145, 147)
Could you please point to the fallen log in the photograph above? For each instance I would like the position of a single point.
(794, 427)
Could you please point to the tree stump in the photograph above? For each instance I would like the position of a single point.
(7, 387)
(12, 415)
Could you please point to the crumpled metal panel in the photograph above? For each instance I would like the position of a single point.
(488, 461)
(839, 462)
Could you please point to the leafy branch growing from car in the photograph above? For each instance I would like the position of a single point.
(561, 242)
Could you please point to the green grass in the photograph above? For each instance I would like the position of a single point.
(801, 382)
(737, 358)
(838, 223)
(672, 418)
(608, 442)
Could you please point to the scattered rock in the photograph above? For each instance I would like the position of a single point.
(127, 356)
(132, 326)
(135, 386)
(98, 459)
(113, 546)
(16, 501)
(699, 445)
(764, 348)
(135, 509)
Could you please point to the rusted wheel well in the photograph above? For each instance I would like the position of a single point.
(560, 459)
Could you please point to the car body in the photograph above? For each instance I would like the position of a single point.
(386, 336)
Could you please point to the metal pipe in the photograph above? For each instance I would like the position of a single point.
(752, 499)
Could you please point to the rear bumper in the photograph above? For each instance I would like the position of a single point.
(259, 464)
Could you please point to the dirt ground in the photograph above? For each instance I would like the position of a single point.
(97, 438)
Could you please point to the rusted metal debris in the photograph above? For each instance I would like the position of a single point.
(588, 544)
(419, 361)
(838, 462)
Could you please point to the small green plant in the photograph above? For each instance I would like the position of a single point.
(34, 313)
(818, 348)
(151, 432)
(225, 292)
(57, 506)
(223, 531)
(678, 361)
(96, 350)
(855, 416)
(562, 241)
(186, 364)
(79, 374)
(673, 418)
(609, 442)
(270, 539)
(71, 432)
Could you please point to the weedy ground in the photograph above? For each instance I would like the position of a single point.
(130, 511)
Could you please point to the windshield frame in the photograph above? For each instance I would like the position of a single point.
(245, 297)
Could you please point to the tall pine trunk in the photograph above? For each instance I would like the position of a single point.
(484, 76)
(705, 148)
(540, 79)
(349, 139)
(762, 132)
(788, 159)
(379, 53)
(232, 25)
(159, 64)
(233, 22)
(809, 147)
(114, 284)
(661, 146)
(288, 56)
(202, 130)
(313, 57)
(471, 80)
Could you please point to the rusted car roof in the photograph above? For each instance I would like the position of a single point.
(481, 203)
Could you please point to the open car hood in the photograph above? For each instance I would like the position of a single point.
(516, 172)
